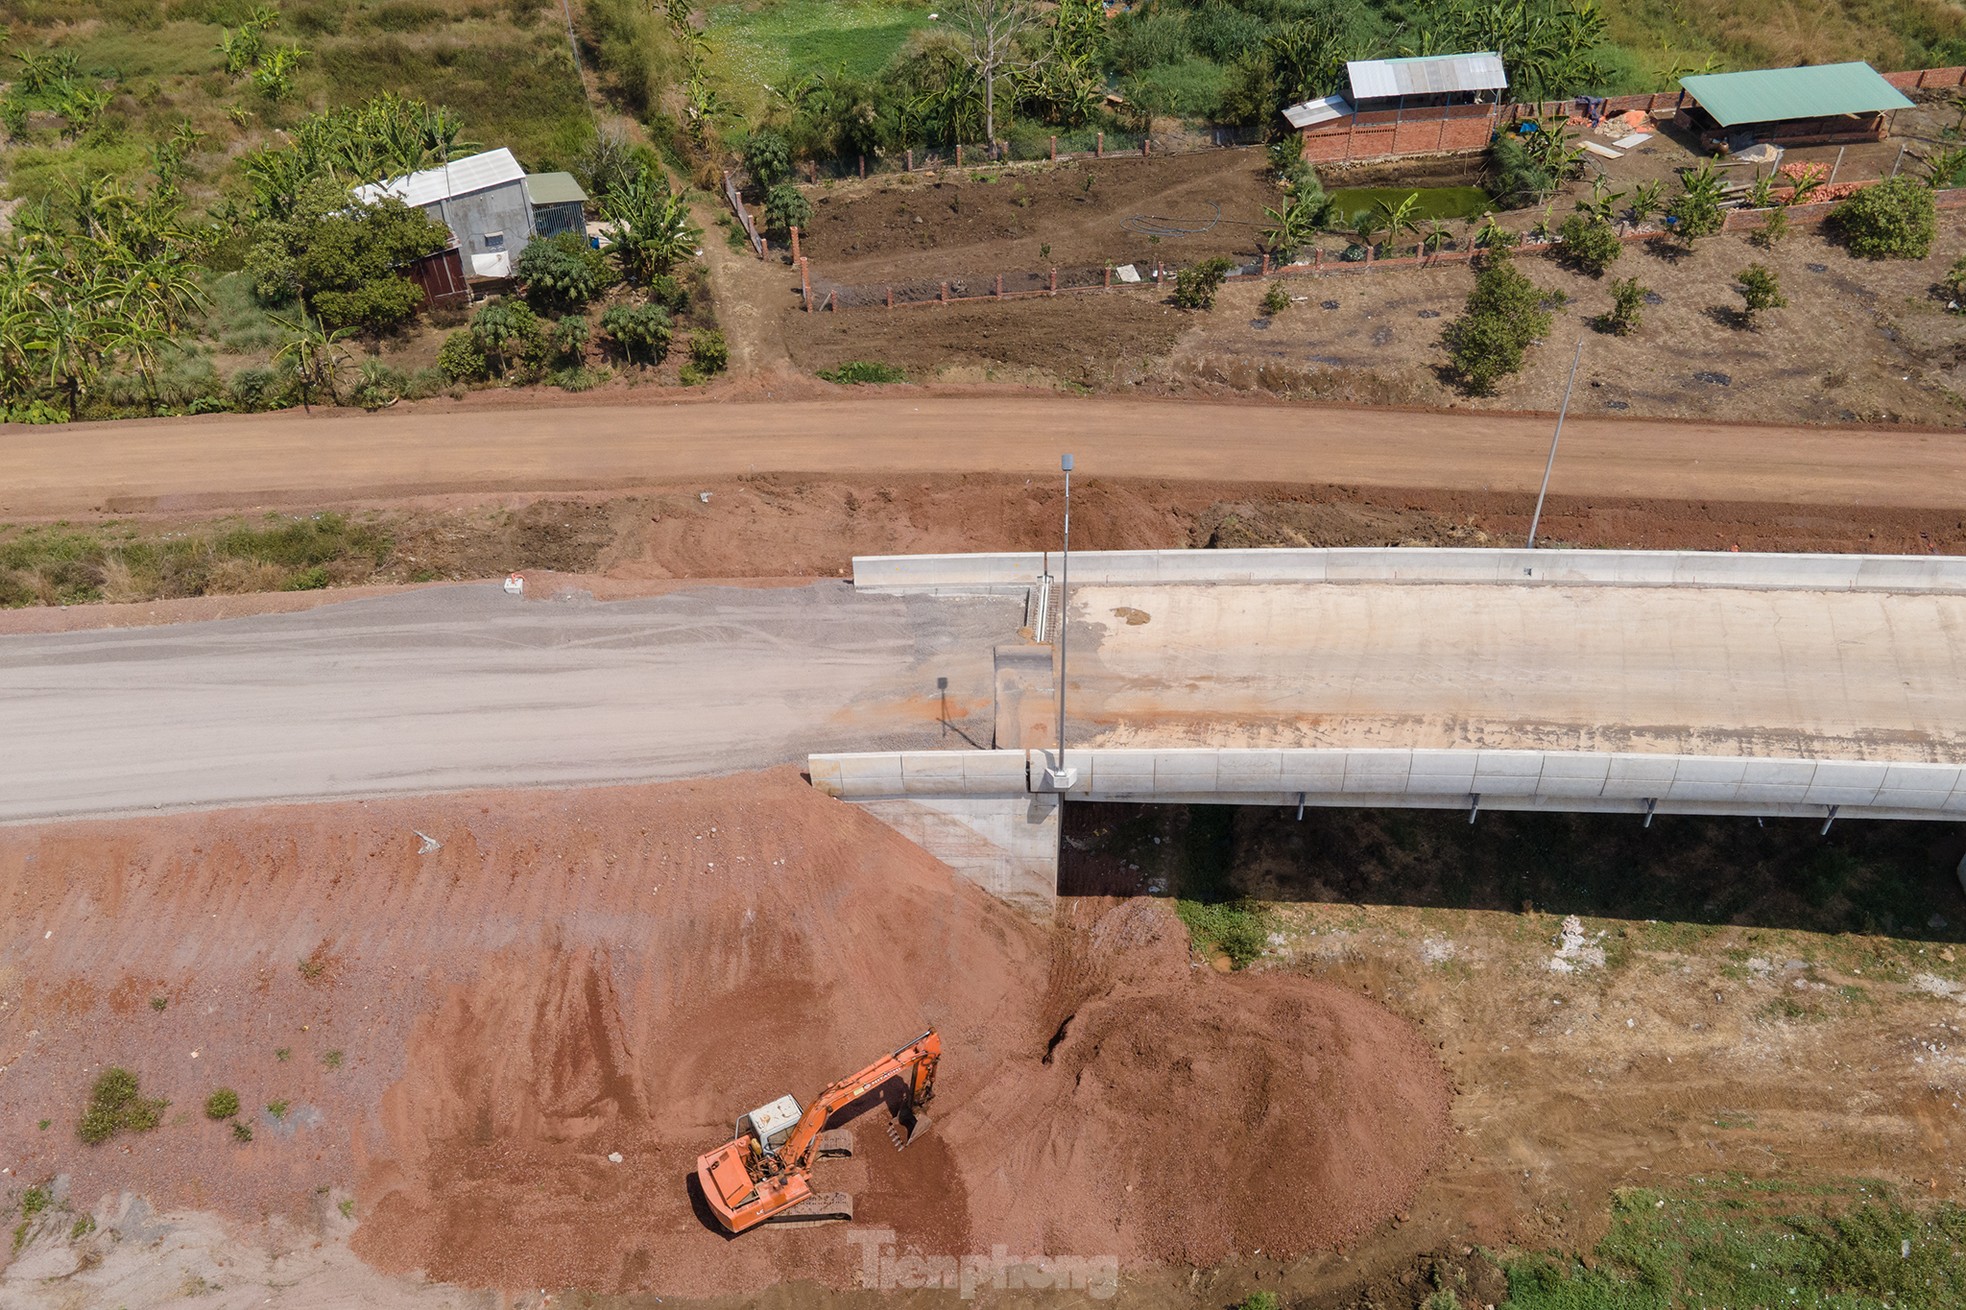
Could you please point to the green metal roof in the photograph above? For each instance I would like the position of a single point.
(1770, 95)
(553, 189)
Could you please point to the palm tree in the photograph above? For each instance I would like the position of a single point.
(1434, 238)
(1294, 225)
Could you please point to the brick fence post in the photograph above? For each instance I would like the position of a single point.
(945, 293)
(1099, 146)
(1266, 263)
(959, 154)
(911, 160)
(1146, 146)
(1054, 150)
(863, 166)
(999, 286)
(890, 297)
(1317, 258)
(805, 285)
(795, 243)
(1054, 280)
(1106, 277)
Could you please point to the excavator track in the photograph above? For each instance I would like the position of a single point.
(819, 1208)
(836, 1144)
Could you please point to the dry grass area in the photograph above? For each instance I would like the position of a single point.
(1860, 341)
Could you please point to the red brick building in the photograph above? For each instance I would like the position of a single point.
(1435, 104)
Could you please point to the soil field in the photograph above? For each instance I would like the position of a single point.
(1860, 341)
(506, 1044)
(970, 224)
(785, 528)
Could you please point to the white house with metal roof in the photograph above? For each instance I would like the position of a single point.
(481, 198)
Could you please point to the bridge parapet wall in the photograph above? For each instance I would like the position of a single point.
(1419, 565)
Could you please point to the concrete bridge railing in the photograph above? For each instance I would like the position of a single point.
(1626, 568)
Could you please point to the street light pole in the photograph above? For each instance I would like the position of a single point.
(1064, 588)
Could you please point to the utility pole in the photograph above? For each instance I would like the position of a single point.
(1554, 438)
(1058, 776)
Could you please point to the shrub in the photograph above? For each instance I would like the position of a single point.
(1276, 299)
(786, 207)
(1893, 219)
(1521, 179)
(1503, 315)
(462, 359)
(1760, 290)
(222, 1104)
(116, 1105)
(767, 158)
(860, 370)
(509, 334)
(1627, 307)
(562, 272)
(1695, 212)
(1771, 232)
(709, 351)
(340, 258)
(242, 1132)
(569, 339)
(1590, 245)
(669, 293)
(1195, 286)
(255, 389)
(641, 332)
(1953, 286)
(375, 306)
(1260, 1301)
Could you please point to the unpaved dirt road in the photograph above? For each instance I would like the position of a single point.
(447, 688)
(489, 447)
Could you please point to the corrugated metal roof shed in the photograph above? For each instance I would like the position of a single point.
(554, 189)
(1313, 112)
(460, 177)
(1770, 95)
(1426, 75)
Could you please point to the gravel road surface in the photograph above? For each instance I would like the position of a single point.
(447, 688)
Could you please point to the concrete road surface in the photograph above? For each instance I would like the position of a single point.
(297, 459)
(1716, 671)
(450, 688)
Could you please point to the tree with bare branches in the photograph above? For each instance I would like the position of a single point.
(993, 30)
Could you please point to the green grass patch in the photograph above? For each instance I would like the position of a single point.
(1219, 919)
(62, 565)
(117, 1105)
(774, 42)
(1435, 202)
(35, 172)
(855, 372)
(1735, 1242)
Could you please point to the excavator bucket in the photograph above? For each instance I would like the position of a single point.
(902, 1130)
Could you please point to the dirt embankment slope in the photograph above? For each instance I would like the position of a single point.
(462, 1037)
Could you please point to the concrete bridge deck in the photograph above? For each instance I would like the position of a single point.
(1639, 682)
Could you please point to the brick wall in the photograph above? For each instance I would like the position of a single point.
(1384, 134)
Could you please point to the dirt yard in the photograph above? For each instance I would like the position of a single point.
(1860, 341)
(971, 224)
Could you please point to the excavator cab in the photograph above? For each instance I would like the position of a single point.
(771, 1126)
(764, 1173)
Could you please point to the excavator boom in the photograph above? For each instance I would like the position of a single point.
(748, 1181)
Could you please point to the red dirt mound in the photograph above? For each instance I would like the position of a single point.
(575, 974)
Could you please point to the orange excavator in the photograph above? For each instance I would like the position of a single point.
(764, 1173)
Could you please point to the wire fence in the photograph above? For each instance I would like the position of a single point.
(1027, 148)
(819, 294)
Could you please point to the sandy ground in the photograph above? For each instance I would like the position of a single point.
(295, 459)
(1720, 672)
(500, 1056)
(440, 689)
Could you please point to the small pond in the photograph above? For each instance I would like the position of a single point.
(1435, 202)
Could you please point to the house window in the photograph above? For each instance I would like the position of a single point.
(494, 241)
